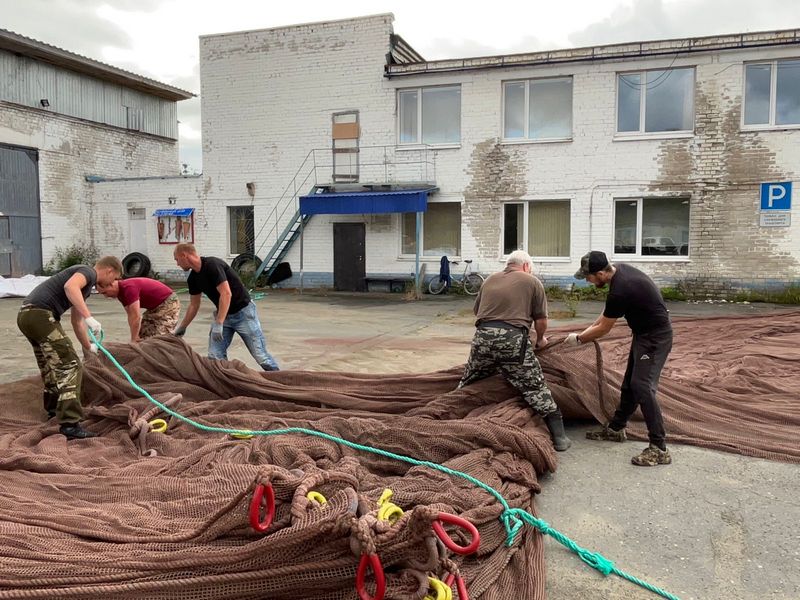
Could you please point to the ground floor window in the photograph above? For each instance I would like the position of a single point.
(651, 227)
(540, 227)
(241, 229)
(441, 230)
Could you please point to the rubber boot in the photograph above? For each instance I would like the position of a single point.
(555, 424)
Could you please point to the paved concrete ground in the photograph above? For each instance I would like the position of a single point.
(712, 525)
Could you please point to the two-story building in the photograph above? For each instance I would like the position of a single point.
(654, 152)
(64, 117)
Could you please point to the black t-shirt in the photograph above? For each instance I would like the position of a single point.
(214, 271)
(50, 294)
(633, 295)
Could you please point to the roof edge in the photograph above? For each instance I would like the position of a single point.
(35, 49)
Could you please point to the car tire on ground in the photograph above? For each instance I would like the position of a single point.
(135, 264)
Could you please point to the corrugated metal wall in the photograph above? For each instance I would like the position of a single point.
(26, 81)
(19, 204)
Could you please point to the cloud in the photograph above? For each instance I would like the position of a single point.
(658, 19)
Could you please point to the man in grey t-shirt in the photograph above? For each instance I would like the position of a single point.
(39, 320)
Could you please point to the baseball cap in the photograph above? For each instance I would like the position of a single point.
(592, 262)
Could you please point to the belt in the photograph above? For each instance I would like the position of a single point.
(504, 325)
(32, 307)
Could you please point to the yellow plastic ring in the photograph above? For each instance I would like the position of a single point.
(390, 512)
(242, 436)
(316, 496)
(442, 590)
(158, 426)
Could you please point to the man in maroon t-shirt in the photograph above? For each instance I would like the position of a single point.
(159, 301)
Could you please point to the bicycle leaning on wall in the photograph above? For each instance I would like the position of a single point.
(468, 281)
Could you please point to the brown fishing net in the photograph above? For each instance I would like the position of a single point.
(138, 514)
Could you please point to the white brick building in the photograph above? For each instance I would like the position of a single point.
(652, 151)
(64, 117)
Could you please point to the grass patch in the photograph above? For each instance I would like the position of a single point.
(673, 293)
(789, 295)
(76, 254)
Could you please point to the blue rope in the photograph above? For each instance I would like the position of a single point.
(513, 519)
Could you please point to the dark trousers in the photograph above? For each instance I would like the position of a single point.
(646, 358)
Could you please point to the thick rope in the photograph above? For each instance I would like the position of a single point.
(512, 519)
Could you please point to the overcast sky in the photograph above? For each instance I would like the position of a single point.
(158, 38)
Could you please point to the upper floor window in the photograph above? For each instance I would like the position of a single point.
(539, 109)
(429, 115)
(772, 93)
(655, 101)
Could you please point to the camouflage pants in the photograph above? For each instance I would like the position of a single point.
(58, 362)
(162, 319)
(498, 349)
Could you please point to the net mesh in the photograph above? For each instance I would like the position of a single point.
(138, 514)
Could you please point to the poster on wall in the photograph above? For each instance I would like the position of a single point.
(175, 225)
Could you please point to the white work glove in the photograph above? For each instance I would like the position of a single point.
(216, 332)
(93, 348)
(94, 326)
(572, 340)
(179, 331)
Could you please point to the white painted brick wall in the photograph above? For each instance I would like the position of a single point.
(268, 97)
(69, 150)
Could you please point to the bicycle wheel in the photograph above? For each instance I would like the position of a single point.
(472, 284)
(436, 286)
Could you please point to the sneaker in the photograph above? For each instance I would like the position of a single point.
(652, 456)
(606, 434)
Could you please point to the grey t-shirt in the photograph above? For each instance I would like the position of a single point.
(50, 294)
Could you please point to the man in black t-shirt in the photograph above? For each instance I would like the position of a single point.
(632, 295)
(235, 312)
(39, 320)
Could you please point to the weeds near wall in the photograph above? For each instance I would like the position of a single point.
(76, 254)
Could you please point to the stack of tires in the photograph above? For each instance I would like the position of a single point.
(136, 264)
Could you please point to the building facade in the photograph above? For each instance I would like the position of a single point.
(63, 118)
(655, 152)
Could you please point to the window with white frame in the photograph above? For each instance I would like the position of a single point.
(241, 229)
(540, 227)
(655, 101)
(772, 93)
(651, 227)
(429, 115)
(441, 230)
(537, 109)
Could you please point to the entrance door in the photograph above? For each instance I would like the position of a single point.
(19, 202)
(6, 248)
(349, 264)
(137, 230)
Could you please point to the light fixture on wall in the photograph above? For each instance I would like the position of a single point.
(44, 102)
(251, 188)
(172, 199)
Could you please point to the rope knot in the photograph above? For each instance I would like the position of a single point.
(596, 561)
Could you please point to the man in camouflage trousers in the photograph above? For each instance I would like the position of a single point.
(508, 304)
(161, 305)
(39, 320)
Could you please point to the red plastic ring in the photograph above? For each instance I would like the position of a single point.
(262, 490)
(447, 540)
(463, 594)
(377, 570)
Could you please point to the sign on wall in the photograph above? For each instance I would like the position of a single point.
(776, 196)
(776, 204)
(175, 225)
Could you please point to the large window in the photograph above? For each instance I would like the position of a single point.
(651, 227)
(540, 109)
(441, 230)
(772, 93)
(429, 115)
(241, 229)
(541, 228)
(655, 101)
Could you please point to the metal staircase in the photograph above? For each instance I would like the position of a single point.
(380, 165)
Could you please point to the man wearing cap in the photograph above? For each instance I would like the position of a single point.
(508, 305)
(632, 295)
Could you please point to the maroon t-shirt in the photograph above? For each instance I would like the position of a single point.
(149, 292)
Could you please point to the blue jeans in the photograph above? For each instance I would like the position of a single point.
(246, 324)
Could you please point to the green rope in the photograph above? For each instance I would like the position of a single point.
(512, 519)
